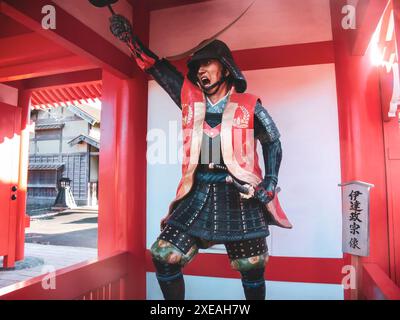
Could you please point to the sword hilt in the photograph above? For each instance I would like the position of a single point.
(246, 190)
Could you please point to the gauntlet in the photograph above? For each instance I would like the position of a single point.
(265, 194)
(121, 28)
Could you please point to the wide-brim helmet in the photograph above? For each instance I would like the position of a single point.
(217, 50)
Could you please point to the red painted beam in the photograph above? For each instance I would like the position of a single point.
(71, 34)
(285, 56)
(280, 56)
(290, 269)
(377, 285)
(61, 79)
(31, 55)
(29, 47)
(368, 14)
(71, 282)
(9, 27)
(69, 63)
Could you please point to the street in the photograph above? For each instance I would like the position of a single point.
(69, 228)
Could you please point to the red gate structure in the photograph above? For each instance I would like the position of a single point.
(80, 50)
(9, 132)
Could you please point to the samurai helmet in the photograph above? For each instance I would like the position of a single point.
(217, 50)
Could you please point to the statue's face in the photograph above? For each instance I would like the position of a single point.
(210, 72)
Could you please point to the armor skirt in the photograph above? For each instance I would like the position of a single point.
(214, 211)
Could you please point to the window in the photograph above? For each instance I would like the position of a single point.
(51, 134)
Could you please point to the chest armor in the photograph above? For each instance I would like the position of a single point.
(236, 136)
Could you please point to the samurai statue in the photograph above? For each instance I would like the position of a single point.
(222, 197)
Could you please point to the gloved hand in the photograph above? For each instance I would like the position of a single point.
(263, 194)
(121, 28)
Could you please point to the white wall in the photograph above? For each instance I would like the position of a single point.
(268, 23)
(302, 101)
(70, 131)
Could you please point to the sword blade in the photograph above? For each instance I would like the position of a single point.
(209, 40)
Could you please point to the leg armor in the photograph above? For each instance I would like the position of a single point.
(249, 258)
(170, 253)
(254, 284)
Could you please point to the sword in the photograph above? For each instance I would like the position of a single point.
(204, 43)
(274, 212)
(246, 190)
(108, 3)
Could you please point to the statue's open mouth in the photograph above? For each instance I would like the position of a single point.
(205, 82)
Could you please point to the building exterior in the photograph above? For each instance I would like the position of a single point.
(65, 143)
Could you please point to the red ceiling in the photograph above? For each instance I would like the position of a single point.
(9, 27)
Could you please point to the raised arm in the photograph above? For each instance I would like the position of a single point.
(163, 72)
(267, 133)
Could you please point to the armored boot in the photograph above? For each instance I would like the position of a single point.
(170, 279)
(254, 284)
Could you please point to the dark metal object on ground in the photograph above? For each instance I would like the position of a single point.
(65, 198)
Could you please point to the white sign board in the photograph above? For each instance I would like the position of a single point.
(355, 209)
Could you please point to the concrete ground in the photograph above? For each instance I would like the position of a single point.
(54, 241)
(41, 259)
(68, 228)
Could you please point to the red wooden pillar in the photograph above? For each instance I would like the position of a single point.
(392, 141)
(361, 136)
(392, 150)
(108, 166)
(122, 181)
(10, 120)
(24, 98)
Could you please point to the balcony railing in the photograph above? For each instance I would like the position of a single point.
(100, 279)
(377, 285)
